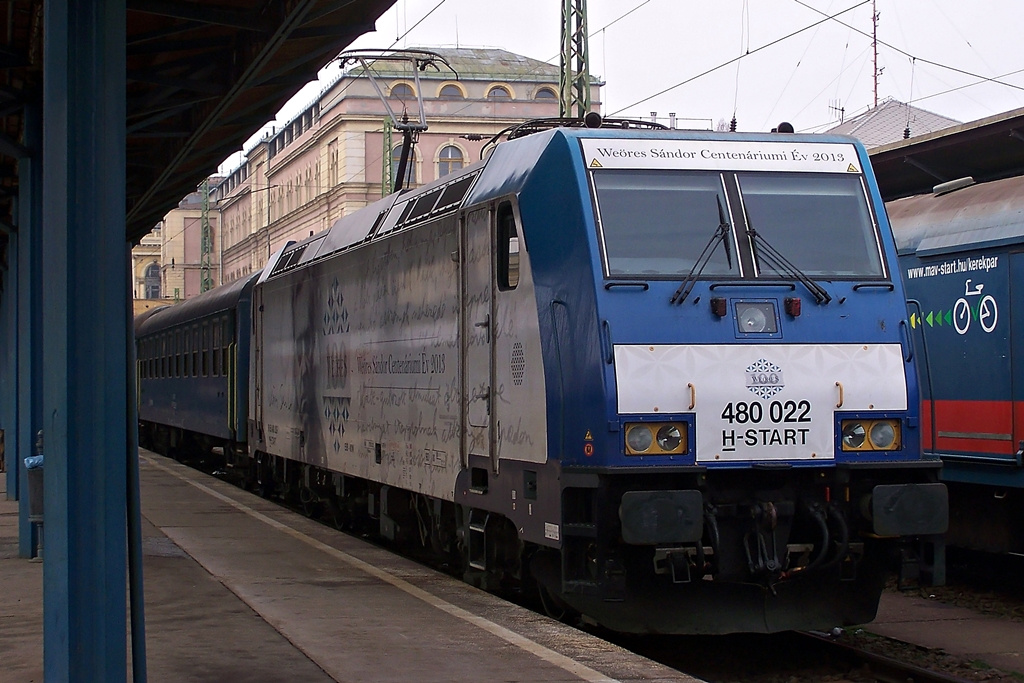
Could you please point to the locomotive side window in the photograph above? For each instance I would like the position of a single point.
(508, 248)
(821, 223)
(195, 350)
(655, 223)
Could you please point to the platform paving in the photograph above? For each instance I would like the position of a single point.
(239, 589)
(957, 631)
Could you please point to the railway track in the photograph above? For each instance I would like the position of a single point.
(792, 657)
(881, 668)
(800, 657)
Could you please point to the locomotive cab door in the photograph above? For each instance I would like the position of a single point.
(477, 335)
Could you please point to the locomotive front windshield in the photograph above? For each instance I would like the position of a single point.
(820, 223)
(656, 223)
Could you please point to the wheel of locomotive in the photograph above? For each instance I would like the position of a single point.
(335, 514)
(554, 607)
(310, 502)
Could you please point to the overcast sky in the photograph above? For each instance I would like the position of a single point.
(681, 56)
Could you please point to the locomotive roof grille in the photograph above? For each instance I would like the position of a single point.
(409, 209)
(430, 204)
(289, 260)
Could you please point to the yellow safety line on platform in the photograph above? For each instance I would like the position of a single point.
(509, 636)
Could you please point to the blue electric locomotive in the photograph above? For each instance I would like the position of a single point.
(664, 375)
(961, 260)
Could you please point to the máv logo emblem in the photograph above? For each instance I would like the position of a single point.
(764, 378)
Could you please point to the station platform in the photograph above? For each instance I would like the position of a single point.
(239, 589)
(957, 631)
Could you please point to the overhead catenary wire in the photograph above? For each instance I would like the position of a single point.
(747, 54)
(907, 54)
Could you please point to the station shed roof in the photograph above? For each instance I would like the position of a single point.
(202, 77)
(987, 149)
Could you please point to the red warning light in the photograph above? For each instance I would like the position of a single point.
(792, 305)
(718, 306)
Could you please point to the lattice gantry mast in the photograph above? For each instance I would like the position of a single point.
(206, 243)
(574, 79)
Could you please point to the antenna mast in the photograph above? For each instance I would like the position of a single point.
(574, 77)
(874, 47)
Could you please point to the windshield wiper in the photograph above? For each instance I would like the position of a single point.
(721, 234)
(784, 266)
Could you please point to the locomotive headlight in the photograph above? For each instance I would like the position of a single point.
(883, 435)
(638, 438)
(754, 317)
(656, 438)
(669, 437)
(871, 435)
(853, 436)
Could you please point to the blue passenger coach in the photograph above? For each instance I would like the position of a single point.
(663, 376)
(960, 254)
(193, 369)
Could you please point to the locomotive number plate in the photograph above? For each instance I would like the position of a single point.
(765, 424)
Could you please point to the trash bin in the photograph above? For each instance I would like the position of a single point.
(34, 467)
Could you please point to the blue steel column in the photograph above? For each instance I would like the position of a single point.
(9, 368)
(30, 321)
(85, 422)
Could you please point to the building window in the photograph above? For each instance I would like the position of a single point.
(545, 94)
(410, 167)
(402, 91)
(152, 281)
(450, 92)
(499, 92)
(450, 159)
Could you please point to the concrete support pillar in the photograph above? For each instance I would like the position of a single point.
(84, 343)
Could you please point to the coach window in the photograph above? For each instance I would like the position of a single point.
(177, 353)
(206, 349)
(508, 248)
(187, 369)
(216, 347)
(195, 350)
(225, 355)
(164, 355)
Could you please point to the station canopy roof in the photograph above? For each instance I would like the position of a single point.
(202, 78)
(988, 149)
